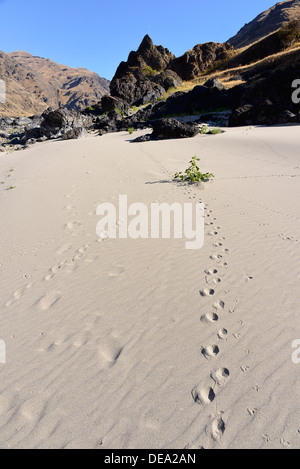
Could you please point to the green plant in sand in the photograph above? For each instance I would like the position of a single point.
(193, 174)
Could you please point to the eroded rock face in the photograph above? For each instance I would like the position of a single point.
(152, 70)
(137, 80)
(198, 59)
(62, 120)
(168, 79)
(268, 101)
(111, 103)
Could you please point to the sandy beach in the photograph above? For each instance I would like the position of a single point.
(123, 343)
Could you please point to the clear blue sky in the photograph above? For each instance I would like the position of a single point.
(98, 34)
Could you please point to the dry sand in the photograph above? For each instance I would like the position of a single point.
(109, 343)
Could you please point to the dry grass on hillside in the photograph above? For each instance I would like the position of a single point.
(231, 77)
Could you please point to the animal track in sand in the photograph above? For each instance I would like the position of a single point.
(48, 300)
(216, 281)
(216, 257)
(71, 225)
(222, 334)
(18, 294)
(34, 408)
(203, 396)
(67, 266)
(221, 376)
(219, 305)
(207, 292)
(218, 428)
(64, 248)
(193, 446)
(209, 318)
(210, 351)
(110, 351)
(116, 270)
(211, 271)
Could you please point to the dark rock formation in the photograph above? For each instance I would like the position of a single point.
(168, 79)
(52, 124)
(111, 103)
(268, 98)
(172, 128)
(58, 122)
(198, 59)
(169, 129)
(134, 80)
(199, 100)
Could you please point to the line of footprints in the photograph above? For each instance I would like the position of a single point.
(206, 395)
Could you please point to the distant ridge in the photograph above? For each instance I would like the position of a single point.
(34, 83)
(267, 22)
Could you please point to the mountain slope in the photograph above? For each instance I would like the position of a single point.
(267, 22)
(34, 84)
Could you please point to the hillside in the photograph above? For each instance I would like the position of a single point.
(33, 84)
(267, 22)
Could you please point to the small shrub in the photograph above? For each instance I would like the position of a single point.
(149, 71)
(204, 130)
(130, 130)
(193, 174)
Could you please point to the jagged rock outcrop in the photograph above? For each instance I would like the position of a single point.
(141, 79)
(198, 59)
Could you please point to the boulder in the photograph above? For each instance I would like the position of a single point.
(111, 103)
(78, 132)
(173, 129)
(213, 83)
(265, 113)
(62, 119)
